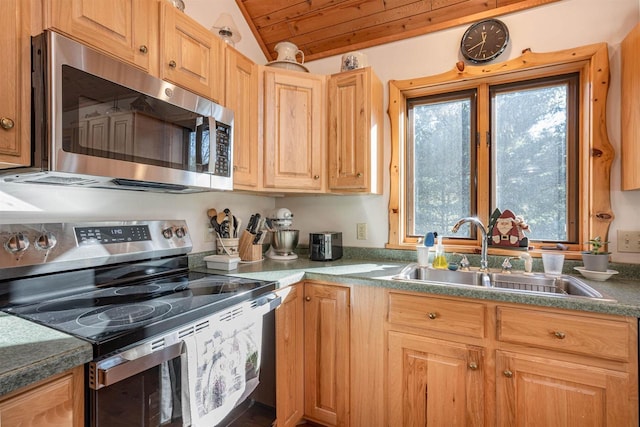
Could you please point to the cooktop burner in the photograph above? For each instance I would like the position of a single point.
(112, 283)
(121, 312)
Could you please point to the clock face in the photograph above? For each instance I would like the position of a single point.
(484, 40)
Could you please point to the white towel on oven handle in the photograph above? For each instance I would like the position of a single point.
(220, 369)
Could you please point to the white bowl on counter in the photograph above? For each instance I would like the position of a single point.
(599, 276)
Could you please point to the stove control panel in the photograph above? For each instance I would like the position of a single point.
(30, 249)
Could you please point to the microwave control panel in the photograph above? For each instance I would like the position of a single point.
(222, 165)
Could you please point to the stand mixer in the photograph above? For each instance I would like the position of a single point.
(283, 239)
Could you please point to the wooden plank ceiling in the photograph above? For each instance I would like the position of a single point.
(322, 28)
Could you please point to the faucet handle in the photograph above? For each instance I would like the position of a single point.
(464, 262)
(506, 264)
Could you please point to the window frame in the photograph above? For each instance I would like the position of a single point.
(595, 151)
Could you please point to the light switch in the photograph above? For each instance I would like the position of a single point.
(628, 241)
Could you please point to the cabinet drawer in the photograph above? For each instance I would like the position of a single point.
(587, 335)
(437, 314)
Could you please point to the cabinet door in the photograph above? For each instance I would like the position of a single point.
(122, 28)
(294, 120)
(434, 382)
(15, 84)
(355, 131)
(290, 356)
(541, 392)
(191, 55)
(241, 95)
(58, 402)
(326, 339)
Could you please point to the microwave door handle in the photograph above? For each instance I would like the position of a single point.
(104, 377)
(199, 133)
(210, 124)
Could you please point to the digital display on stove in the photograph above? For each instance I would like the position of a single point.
(115, 234)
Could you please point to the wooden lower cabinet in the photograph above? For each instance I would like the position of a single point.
(540, 392)
(519, 366)
(326, 354)
(375, 357)
(290, 356)
(432, 381)
(56, 402)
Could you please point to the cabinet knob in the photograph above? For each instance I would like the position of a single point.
(172, 64)
(144, 49)
(6, 123)
(432, 315)
(235, 168)
(359, 175)
(316, 177)
(307, 298)
(473, 366)
(559, 335)
(507, 373)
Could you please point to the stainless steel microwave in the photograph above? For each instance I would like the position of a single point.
(99, 122)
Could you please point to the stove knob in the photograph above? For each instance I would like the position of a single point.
(46, 241)
(17, 243)
(167, 233)
(180, 232)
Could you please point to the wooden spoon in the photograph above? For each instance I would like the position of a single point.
(212, 213)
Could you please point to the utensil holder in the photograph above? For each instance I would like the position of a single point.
(226, 246)
(247, 250)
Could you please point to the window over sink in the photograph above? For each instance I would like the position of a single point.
(527, 135)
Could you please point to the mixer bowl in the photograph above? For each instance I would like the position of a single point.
(284, 242)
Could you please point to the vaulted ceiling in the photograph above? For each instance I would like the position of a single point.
(322, 28)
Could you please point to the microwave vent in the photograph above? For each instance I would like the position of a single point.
(61, 180)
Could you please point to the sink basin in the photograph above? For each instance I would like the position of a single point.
(520, 282)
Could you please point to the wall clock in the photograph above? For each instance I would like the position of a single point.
(484, 41)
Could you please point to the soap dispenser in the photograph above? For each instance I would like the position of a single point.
(440, 260)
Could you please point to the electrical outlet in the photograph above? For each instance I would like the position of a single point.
(628, 241)
(361, 233)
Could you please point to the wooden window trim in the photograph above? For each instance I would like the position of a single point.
(595, 151)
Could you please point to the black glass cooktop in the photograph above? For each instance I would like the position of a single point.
(120, 309)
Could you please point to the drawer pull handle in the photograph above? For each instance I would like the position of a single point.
(359, 175)
(432, 315)
(172, 64)
(307, 298)
(473, 366)
(559, 335)
(144, 49)
(507, 373)
(316, 177)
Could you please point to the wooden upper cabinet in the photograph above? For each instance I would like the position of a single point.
(241, 96)
(630, 110)
(294, 131)
(326, 357)
(191, 56)
(355, 132)
(126, 29)
(15, 84)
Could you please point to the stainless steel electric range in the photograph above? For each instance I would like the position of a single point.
(125, 287)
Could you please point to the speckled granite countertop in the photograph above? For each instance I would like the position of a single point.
(622, 296)
(30, 352)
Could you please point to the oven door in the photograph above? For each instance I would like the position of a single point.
(146, 385)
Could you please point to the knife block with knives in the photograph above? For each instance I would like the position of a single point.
(250, 245)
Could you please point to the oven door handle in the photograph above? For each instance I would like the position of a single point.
(105, 376)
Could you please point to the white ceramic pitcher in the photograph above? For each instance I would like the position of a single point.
(288, 51)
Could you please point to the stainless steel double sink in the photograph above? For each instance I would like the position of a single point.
(533, 283)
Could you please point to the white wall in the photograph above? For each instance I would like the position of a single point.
(556, 26)
(560, 25)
